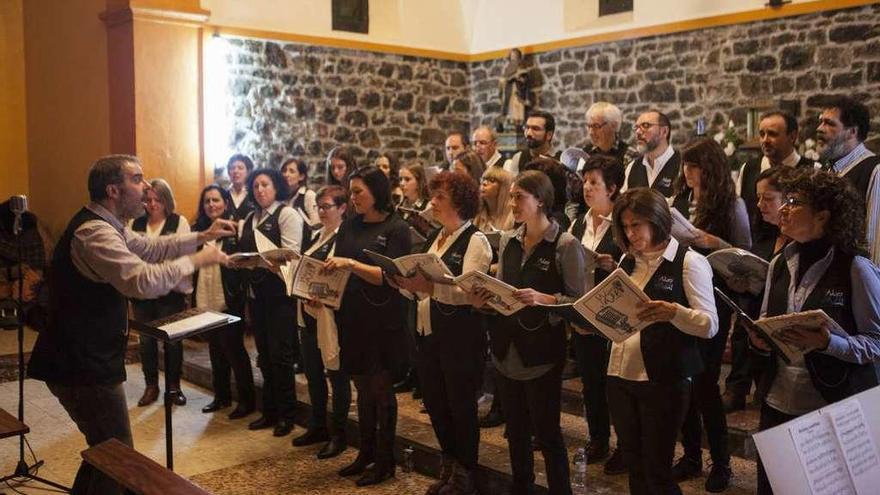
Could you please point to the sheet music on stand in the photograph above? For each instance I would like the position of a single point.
(184, 324)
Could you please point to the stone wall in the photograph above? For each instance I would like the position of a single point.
(716, 73)
(299, 100)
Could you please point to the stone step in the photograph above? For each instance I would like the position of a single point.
(414, 430)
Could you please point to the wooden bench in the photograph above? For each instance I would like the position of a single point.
(10, 426)
(137, 472)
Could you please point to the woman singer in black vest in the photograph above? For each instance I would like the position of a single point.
(824, 267)
(238, 167)
(369, 323)
(649, 374)
(219, 288)
(302, 199)
(318, 324)
(603, 177)
(528, 347)
(767, 242)
(273, 312)
(160, 219)
(452, 346)
(706, 196)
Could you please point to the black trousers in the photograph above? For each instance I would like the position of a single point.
(275, 335)
(149, 310)
(706, 400)
(533, 406)
(647, 417)
(101, 413)
(450, 383)
(592, 353)
(770, 417)
(377, 416)
(317, 376)
(228, 356)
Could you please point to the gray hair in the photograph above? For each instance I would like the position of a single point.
(609, 112)
(164, 193)
(491, 132)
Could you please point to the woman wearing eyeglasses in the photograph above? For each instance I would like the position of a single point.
(824, 267)
(494, 211)
(316, 322)
(706, 196)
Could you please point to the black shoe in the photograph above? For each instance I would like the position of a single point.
(615, 464)
(282, 428)
(262, 423)
(686, 468)
(405, 385)
(597, 451)
(298, 368)
(417, 393)
(310, 437)
(733, 401)
(177, 397)
(492, 419)
(333, 448)
(718, 479)
(358, 466)
(242, 410)
(216, 405)
(375, 475)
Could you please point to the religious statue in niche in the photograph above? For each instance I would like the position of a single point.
(515, 89)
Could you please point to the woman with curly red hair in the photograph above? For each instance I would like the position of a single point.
(452, 340)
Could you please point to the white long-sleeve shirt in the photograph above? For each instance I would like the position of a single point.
(700, 320)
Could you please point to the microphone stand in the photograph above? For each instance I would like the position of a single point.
(23, 472)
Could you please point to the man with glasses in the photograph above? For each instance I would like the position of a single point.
(603, 126)
(538, 130)
(97, 265)
(843, 128)
(658, 164)
(486, 145)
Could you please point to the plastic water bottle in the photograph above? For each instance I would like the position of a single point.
(579, 473)
(408, 459)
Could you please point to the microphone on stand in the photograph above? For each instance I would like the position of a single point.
(18, 205)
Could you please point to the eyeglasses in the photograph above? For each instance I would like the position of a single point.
(488, 180)
(596, 127)
(326, 207)
(792, 202)
(644, 126)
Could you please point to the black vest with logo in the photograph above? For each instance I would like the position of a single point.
(234, 291)
(529, 329)
(260, 279)
(606, 245)
(454, 325)
(833, 378)
(169, 228)
(669, 354)
(665, 181)
(85, 338)
(241, 211)
(860, 175)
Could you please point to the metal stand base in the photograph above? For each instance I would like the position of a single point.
(23, 474)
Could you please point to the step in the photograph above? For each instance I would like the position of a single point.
(414, 429)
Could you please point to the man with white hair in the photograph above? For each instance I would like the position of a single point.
(603, 126)
(485, 143)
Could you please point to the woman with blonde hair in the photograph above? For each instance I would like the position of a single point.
(495, 211)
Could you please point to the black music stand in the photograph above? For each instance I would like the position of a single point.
(155, 329)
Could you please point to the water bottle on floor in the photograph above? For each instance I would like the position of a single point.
(407, 459)
(579, 473)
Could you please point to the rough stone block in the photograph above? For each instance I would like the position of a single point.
(346, 97)
(663, 92)
(796, 57)
(403, 101)
(853, 32)
(761, 63)
(846, 80)
(747, 47)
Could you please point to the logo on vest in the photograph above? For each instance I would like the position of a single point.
(665, 182)
(542, 264)
(665, 283)
(834, 297)
(382, 241)
(455, 259)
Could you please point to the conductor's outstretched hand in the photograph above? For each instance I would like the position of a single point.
(220, 228)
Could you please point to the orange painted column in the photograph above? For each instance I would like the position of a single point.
(155, 77)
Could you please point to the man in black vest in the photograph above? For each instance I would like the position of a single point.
(603, 126)
(486, 145)
(658, 164)
(843, 128)
(778, 132)
(538, 130)
(97, 265)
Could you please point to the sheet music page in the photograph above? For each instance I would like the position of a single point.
(429, 263)
(682, 229)
(195, 322)
(820, 456)
(310, 283)
(611, 306)
(502, 300)
(810, 319)
(857, 444)
(733, 263)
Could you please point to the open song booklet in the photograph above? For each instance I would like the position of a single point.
(835, 449)
(682, 229)
(771, 328)
(735, 264)
(429, 264)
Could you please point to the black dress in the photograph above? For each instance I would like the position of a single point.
(370, 328)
